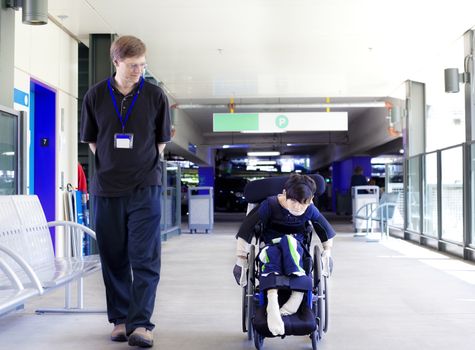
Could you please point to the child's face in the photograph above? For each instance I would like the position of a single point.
(295, 207)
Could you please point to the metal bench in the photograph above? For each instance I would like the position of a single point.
(13, 295)
(381, 212)
(28, 261)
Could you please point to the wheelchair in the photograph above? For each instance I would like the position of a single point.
(312, 316)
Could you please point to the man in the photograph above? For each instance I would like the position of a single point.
(126, 122)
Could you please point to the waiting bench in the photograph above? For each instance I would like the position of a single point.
(27, 258)
(381, 212)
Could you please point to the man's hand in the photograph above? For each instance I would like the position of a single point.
(327, 263)
(240, 271)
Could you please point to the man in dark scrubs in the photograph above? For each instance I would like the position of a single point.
(126, 122)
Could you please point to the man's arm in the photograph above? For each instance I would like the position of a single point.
(161, 147)
(92, 147)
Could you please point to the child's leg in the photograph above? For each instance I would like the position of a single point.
(270, 257)
(292, 305)
(274, 320)
(291, 256)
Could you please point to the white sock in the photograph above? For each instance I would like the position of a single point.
(274, 320)
(292, 305)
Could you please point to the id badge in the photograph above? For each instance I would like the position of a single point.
(124, 141)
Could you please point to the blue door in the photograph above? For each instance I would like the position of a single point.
(43, 135)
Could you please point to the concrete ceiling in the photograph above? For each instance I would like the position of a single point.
(276, 51)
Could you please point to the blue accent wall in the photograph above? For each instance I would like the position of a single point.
(341, 176)
(44, 141)
(206, 176)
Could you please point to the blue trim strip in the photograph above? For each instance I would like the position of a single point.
(21, 97)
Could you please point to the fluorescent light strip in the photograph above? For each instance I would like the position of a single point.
(263, 154)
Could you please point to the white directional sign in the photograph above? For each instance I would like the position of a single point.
(280, 122)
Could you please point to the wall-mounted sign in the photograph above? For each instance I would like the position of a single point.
(280, 122)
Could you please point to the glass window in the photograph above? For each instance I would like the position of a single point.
(413, 190)
(8, 154)
(452, 194)
(430, 227)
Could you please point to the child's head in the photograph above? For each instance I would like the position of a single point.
(299, 191)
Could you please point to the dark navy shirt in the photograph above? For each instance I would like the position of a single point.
(278, 221)
(358, 180)
(118, 172)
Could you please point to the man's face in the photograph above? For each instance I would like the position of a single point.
(130, 69)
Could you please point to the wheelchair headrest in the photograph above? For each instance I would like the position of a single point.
(258, 190)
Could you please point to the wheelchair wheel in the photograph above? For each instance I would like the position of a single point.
(250, 292)
(313, 338)
(318, 303)
(244, 309)
(325, 298)
(258, 340)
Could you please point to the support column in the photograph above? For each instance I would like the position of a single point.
(100, 64)
(7, 54)
(100, 68)
(469, 192)
(415, 131)
(469, 97)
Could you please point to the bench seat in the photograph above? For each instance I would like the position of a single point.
(27, 256)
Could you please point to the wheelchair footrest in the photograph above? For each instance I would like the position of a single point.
(301, 323)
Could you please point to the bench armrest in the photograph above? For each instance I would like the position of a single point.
(382, 208)
(25, 266)
(364, 212)
(83, 228)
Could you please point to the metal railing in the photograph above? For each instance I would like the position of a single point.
(438, 196)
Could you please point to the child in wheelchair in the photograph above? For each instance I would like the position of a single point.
(283, 219)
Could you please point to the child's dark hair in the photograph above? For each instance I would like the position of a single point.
(300, 188)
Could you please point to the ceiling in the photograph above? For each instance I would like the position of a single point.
(276, 51)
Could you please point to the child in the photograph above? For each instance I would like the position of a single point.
(283, 217)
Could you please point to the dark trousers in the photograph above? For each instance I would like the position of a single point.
(128, 237)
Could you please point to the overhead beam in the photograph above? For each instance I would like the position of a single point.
(256, 106)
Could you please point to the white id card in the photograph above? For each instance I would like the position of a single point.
(124, 141)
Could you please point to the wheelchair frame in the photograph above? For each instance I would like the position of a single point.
(318, 299)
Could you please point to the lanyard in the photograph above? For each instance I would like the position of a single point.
(129, 110)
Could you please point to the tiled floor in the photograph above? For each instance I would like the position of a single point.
(383, 295)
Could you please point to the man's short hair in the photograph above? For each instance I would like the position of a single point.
(300, 188)
(127, 46)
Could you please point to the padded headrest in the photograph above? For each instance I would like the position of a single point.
(258, 190)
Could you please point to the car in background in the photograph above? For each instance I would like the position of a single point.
(229, 193)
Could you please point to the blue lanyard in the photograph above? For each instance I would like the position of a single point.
(127, 115)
